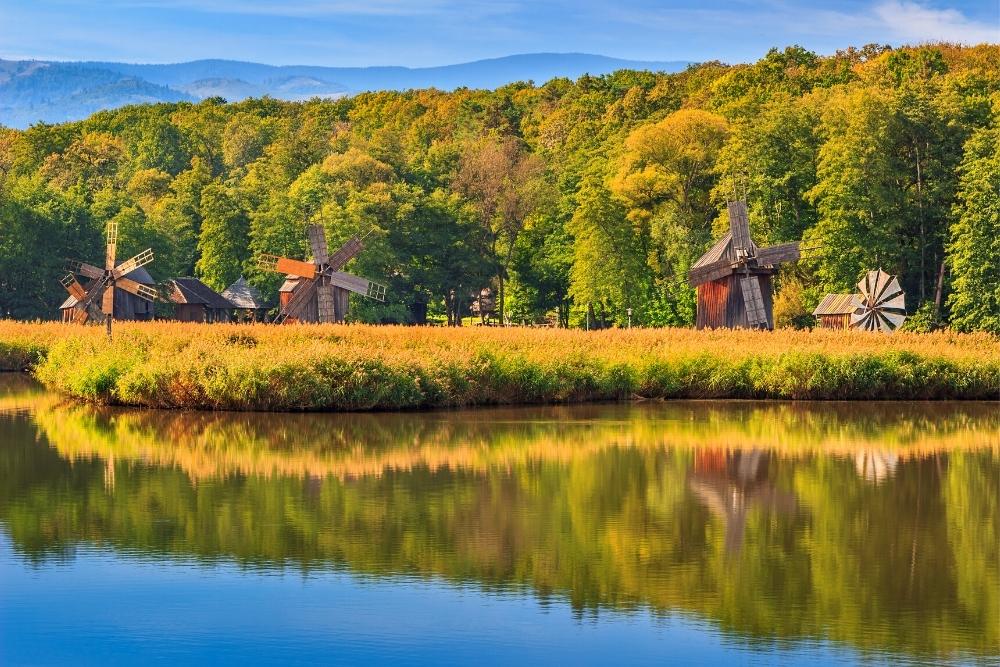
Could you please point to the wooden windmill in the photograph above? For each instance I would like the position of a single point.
(734, 277)
(103, 282)
(321, 292)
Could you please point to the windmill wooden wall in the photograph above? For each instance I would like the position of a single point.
(341, 302)
(720, 302)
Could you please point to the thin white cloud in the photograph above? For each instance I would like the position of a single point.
(915, 22)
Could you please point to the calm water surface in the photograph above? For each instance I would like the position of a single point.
(689, 533)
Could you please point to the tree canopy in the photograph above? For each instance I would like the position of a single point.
(574, 200)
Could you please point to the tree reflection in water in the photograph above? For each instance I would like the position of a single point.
(872, 525)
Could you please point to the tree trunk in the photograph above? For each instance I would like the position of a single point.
(500, 296)
(938, 292)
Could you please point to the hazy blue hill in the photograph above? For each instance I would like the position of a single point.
(33, 90)
(56, 92)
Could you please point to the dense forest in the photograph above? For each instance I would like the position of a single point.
(570, 199)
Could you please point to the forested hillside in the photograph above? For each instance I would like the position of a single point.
(595, 194)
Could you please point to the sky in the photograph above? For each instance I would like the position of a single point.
(420, 33)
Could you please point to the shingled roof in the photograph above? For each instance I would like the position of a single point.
(245, 296)
(723, 249)
(193, 291)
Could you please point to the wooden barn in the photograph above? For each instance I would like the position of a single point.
(733, 279)
(835, 310)
(194, 301)
(248, 303)
(127, 306)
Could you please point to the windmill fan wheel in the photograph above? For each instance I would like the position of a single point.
(881, 306)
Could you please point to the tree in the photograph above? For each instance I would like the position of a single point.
(975, 237)
(507, 185)
(224, 240)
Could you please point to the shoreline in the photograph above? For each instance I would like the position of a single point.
(335, 368)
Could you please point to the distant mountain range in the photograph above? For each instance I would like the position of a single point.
(34, 90)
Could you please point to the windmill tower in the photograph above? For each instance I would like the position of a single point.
(104, 282)
(322, 288)
(733, 278)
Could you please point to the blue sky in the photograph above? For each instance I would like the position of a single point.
(435, 32)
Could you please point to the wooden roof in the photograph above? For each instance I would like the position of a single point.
(836, 304)
(193, 291)
(140, 275)
(723, 249)
(245, 296)
(291, 282)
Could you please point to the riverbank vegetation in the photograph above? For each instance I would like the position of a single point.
(576, 201)
(360, 367)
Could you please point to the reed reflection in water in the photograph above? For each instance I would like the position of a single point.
(870, 526)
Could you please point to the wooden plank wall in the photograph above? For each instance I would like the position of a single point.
(720, 303)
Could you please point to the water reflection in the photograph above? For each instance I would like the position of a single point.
(875, 526)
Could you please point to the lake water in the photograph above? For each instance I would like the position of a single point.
(685, 532)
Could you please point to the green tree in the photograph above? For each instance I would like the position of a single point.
(975, 237)
(224, 241)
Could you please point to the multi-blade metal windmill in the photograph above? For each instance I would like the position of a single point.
(321, 293)
(734, 277)
(881, 306)
(103, 282)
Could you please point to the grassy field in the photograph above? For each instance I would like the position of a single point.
(337, 367)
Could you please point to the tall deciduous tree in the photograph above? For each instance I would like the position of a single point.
(224, 240)
(974, 251)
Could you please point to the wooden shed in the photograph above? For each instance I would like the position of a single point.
(310, 312)
(128, 306)
(194, 301)
(835, 310)
(247, 301)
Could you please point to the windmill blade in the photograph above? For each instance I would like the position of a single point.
(776, 254)
(109, 257)
(358, 285)
(108, 301)
(80, 314)
(299, 301)
(143, 291)
(709, 272)
(890, 292)
(346, 253)
(294, 267)
(84, 269)
(317, 242)
(753, 300)
(74, 287)
(890, 321)
(130, 265)
(325, 301)
(739, 224)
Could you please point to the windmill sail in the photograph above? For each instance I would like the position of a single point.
(882, 304)
(317, 242)
(753, 300)
(739, 225)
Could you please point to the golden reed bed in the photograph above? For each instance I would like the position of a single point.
(359, 367)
